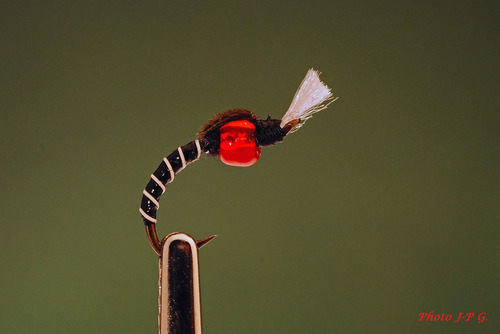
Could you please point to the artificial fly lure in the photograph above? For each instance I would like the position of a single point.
(236, 137)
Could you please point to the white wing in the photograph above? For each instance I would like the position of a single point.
(308, 99)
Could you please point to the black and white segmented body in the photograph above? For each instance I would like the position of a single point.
(268, 132)
(164, 174)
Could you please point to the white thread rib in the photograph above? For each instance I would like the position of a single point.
(158, 182)
(151, 198)
(146, 216)
(198, 148)
(170, 169)
(181, 154)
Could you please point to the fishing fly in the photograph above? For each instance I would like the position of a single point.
(235, 137)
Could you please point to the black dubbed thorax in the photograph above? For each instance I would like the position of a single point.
(267, 132)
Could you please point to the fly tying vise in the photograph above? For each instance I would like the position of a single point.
(236, 137)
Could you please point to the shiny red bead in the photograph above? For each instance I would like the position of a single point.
(237, 144)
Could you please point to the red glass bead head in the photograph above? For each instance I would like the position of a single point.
(237, 144)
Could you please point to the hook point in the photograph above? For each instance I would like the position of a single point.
(203, 242)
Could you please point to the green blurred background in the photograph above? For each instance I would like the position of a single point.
(383, 206)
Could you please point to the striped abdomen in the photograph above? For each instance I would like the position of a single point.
(164, 174)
